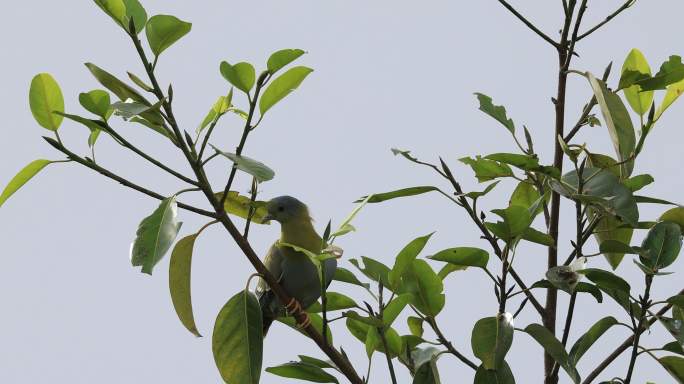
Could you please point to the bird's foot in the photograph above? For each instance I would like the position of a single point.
(293, 307)
(305, 322)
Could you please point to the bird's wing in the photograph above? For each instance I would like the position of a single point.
(273, 262)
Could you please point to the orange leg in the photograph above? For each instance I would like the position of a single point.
(306, 322)
(293, 307)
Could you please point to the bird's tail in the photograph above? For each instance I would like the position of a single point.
(267, 321)
(266, 302)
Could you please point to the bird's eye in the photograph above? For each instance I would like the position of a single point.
(281, 208)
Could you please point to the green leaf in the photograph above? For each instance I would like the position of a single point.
(606, 280)
(639, 101)
(675, 327)
(608, 230)
(317, 362)
(674, 347)
(670, 72)
(241, 75)
(618, 122)
(448, 269)
(346, 276)
(425, 286)
(524, 162)
(122, 90)
(404, 192)
(563, 277)
(239, 205)
(96, 102)
(372, 340)
(590, 337)
(373, 269)
(45, 98)
(282, 86)
(538, 237)
(636, 183)
(503, 375)
(124, 10)
(463, 256)
(427, 372)
(674, 215)
(673, 92)
(180, 268)
(237, 341)
(359, 330)
(674, 366)
(155, 235)
(616, 246)
(554, 348)
(394, 308)
(280, 59)
(662, 245)
(405, 258)
(485, 169)
(491, 339)
(498, 112)
(478, 194)
(603, 190)
(128, 109)
(253, 167)
(22, 178)
(220, 107)
(335, 302)
(302, 371)
(139, 82)
(95, 126)
(415, 325)
(164, 30)
(526, 195)
(516, 221)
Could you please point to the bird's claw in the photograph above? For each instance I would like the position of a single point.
(293, 307)
(304, 323)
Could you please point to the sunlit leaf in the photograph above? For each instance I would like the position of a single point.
(22, 178)
(180, 268)
(463, 256)
(639, 101)
(241, 75)
(155, 235)
(253, 167)
(164, 30)
(45, 98)
(280, 59)
(282, 86)
(497, 112)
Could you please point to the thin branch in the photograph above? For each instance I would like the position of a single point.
(381, 331)
(528, 23)
(582, 121)
(629, 342)
(147, 157)
(645, 304)
(105, 172)
(447, 344)
(610, 17)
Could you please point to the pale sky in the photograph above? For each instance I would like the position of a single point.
(387, 74)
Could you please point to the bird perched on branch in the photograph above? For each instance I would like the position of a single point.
(293, 269)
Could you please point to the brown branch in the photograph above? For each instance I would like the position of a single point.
(528, 23)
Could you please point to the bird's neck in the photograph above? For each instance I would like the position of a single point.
(300, 232)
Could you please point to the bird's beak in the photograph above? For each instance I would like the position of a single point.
(269, 217)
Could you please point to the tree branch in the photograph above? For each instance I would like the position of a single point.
(610, 17)
(528, 23)
(625, 345)
(447, 344)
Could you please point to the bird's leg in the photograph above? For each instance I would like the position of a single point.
(293, 307)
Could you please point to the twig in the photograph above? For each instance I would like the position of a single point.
(381, 331)
(447, 344)
(528, 23)
(629, 342)
(610, 17)
(645, 304)
(105, 172)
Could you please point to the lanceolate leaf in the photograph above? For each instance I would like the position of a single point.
(237, 341)
(282, 86)
(674, 365)
(405, 258)
(590, 337)
(425, 287)
(302, 371)
(554, 348)
(606, 280)
(618, 122)
(239, 205)
(404, 192)
(180, 268)
(164, 30)
(673, 92)
(346, 276)
(155, 235)
(22, 178)
(463, 256)
(45, 98)
(248, 165)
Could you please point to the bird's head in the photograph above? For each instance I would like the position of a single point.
(285, 209)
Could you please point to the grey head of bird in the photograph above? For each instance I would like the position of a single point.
(284, 209)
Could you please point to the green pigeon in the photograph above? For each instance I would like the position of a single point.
(295, 272)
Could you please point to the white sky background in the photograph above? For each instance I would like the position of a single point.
(387, 74)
